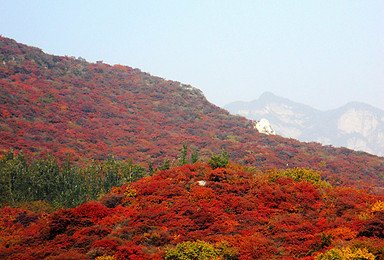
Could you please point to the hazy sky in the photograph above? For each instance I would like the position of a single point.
(322, 53)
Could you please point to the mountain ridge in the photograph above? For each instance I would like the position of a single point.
(354, 125)
(61, 106)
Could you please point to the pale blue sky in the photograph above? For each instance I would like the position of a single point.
(321, 53)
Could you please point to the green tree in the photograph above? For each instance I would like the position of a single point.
(219, 161)
(184, 153)
(166, 165)
(194, 157)
(150, 168)
(61, 185)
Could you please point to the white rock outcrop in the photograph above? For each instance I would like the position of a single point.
(264, 127)
(202, 183)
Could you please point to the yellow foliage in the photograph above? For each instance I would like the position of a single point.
(346, 253)
(369, 213)
(116, 190)
(105, 257)
(359, 253)
(192, 250)
(378, 206)
(130, 192)
(299, 174)
(365, 215)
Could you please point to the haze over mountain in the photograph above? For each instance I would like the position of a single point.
(357, 126)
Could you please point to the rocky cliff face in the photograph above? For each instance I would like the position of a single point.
(356, 125)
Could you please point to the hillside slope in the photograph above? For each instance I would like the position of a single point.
(356, 125)
(62, 105)
(194, 211)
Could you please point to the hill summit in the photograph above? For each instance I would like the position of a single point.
(65, 106)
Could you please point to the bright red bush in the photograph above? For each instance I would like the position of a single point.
(130, 251)
(93, 210)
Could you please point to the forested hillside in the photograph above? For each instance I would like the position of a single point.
(108, 162)
(60, 106)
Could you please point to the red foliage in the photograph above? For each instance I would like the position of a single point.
(130, 251)
(257, 217)
(71, 255)
(255, 246)
(61, 105)
(111, 200)
(374, 227)
(98, 231)
(59, 222)
(93, 210)
(108, 245)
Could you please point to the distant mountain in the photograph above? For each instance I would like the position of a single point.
(356, 125)
(65, 106)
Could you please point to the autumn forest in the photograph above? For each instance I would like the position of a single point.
(108, 162)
